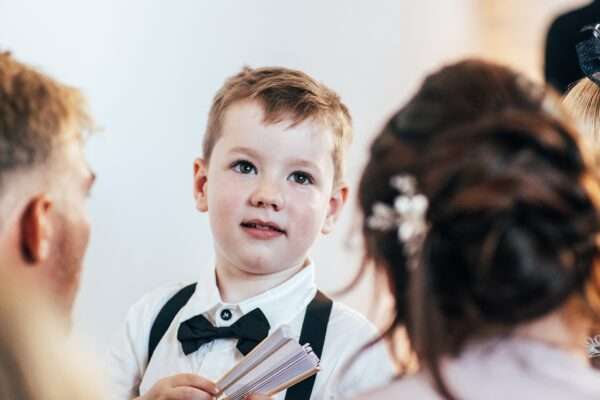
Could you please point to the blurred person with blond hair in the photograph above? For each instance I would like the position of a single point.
(44, 229)
(44, 181)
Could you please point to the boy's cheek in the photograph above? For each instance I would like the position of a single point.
(310, 217)
(226, 201)
(305, 198)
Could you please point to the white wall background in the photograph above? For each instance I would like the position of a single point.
(150, 69)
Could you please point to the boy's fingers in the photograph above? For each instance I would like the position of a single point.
(258, 397)
(194, 381)
(187, 393)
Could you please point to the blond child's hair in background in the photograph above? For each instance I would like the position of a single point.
(583, 101)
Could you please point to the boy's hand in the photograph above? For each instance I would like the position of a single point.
(183, 387)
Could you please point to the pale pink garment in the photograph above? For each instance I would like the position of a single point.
(510, 369)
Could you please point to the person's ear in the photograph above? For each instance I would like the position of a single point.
(36, 230)
(336, 203)
(201, 184)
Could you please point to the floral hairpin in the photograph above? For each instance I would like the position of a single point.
(407, 216)
(593, 346)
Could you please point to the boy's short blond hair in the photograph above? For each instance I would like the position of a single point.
(583, 101)
(284, 94)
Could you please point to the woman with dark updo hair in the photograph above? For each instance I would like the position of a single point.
(482, 211)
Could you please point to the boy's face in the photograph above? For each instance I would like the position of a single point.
(268, 190)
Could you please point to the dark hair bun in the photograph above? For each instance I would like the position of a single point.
(512, 228)
(513, 222)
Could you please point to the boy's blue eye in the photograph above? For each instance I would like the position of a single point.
(302, 178)
(243, 167)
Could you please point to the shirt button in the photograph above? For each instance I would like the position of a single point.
(226, 315)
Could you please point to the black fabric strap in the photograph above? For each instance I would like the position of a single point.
(314, 329)
(166, 315)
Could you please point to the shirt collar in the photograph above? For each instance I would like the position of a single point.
(278, 304)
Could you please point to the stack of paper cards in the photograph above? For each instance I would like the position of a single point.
(277, 363)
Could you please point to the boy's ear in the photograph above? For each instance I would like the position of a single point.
(200, 184)
(36, 230)
(336, 203)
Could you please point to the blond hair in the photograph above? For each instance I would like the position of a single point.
(583, 101)
(284, 94)
(36, 113)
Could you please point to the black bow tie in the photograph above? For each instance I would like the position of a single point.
(250, 329)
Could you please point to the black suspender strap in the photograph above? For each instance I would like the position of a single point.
(314, 329)
(166, 315)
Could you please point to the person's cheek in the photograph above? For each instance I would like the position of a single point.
(308, 212)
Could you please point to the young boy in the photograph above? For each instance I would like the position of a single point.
(271, 180)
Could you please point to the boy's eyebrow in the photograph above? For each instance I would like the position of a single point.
(304, 163)
(245, 150)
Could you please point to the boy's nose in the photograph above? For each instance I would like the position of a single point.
(267, 196)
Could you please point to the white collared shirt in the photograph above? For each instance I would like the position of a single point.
(285, 304)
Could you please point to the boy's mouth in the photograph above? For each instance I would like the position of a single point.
(265, 226)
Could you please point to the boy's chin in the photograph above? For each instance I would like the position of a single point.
(266, 268)
(262, 269)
